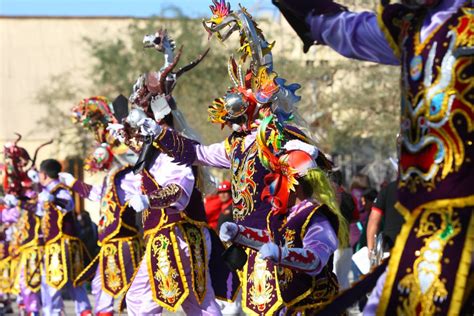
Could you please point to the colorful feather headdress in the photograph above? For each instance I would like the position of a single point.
(285, 166)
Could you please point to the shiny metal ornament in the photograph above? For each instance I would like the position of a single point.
(235, 105)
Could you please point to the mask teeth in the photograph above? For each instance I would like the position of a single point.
(229, 69)
(241, 78)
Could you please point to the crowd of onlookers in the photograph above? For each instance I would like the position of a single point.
(369, 213)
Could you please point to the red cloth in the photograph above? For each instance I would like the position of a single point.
(212, 204)
(226, 205)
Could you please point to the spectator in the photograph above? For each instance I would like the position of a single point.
(367, 200)
(87, 231)
(359, 184)
(343, 257)
(212, 205)
(225, 195)
(384, 210)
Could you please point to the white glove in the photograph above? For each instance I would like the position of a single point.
(67, 178)
(10, 200)
(271, 251)
(295, 144)
(228, 231)
(39, 211)
(45, 196)
(149, 127)
(33, 175)
(139, 202)
(115, 131)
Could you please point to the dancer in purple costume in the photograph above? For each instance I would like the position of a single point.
(432, 41)
(64, 253)
(180, 247)
(120, 246)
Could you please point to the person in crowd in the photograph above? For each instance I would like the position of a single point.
(383, 211)
(24, 232)
(343, 256)
(368, 198)
(64, 252)
(212, 205)
(225, 196)
(359, 184)
(114, 263)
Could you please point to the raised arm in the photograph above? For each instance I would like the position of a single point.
(189, 152)
(85, 190)
(353, 35)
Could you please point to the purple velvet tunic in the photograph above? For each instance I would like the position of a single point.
(434, 49)
(57, 217)
(161, 272)
(310, 239)
(120, 251)
(238, 153)
(117, 220)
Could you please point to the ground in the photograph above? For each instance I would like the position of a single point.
(70, 309)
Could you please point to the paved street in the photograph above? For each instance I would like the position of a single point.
(70, 309)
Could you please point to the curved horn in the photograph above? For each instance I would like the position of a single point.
(18, 139)
(168, 70)
(37, 150)
(192, 64)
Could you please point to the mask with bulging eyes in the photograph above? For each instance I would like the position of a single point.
(101, 155)
(100, 159)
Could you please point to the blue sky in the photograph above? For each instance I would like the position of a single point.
(137, 8)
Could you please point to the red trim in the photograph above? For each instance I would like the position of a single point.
(376, 209)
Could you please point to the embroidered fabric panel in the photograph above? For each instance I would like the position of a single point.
(429, 273)
(198, 254)
(165, 197)
(167, 278)
(5, 275)
(260, 292)
(31, 260)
